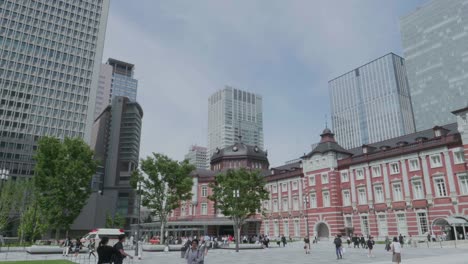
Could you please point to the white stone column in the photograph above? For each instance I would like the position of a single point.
(301, 198)
(370, 195)
(427, 178)
(388, 199)
(405, 182)
(353, 187)
(450, 176)
(280, 200)
(289, 196)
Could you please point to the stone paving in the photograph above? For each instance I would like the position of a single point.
(293, 253)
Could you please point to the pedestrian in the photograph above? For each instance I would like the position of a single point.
(121, 254)
(396, 249)
(401, 240)
(77, 247)
(140, 249)
(388, 244)
(338, 243)
(363, 242)
(92, 248)
(428, 237)
(105, 252)
(348, 240)
(307, 245)
(194, 255)
(356, 241)
(370, 246)
(66, 246)
(283, 240)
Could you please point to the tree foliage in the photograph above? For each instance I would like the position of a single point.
(14, 197)
(62, 180)
(116, 221)
(166, 183)
(239, 194)
(32, 224)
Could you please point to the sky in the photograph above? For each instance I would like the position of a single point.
(287, 51)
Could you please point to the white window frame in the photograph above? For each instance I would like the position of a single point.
(297, 228)
(376, 171)
(361, 191)
(275, 205)
(344, 176)
(324, 178)
(266, 227)
(274, 188)
(418, 190)
(382, 225)
(182, 210)
(346, 198)
(285, 204)
(458, 157)
(326, 202)
(435, 163)
(397, 192)
(402, 224)
(204, 191)
(463, 183)
(364, 219)
(360, 174)
(284, 187)
(204, 209)
(266, 205)
(276, 228)
(295, 203)
(416, 167)
(379, 195)
(350, 217)
(419, 217)
(286, 228)
(440, 186)
(312, 180)
(394, 168)
(313, 200)
(295, 185)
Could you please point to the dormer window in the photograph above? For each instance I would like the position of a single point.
(421, 139)
(384, 147)
(364, 150)
(402, 143)
(437, 133)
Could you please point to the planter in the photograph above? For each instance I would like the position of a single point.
(49, 250)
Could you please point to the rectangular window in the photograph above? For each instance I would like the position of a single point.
(418, 192)
(394, 168)
(204, 209)
(265, 205)
(378, 193)
(344, 176)
(266, 227)
(313, 200)
(274, 189)
(397, 193)
(326, 199)
(382, 223)
(297, 231)
(359, 174)
(348, 221)
(324, 178)
(414, 165)
(364, 225)
(286, 228)
(285, 205)
(275, 205)
(422, 223)
(182, 210)
(346, 198)
(376, 172)
(294, 185)
(362, 196)
(463, 182)
(459, 157)
(439, 183)
(312, 180)
(295, 203)
(204, 191)
(276, 228)
(436, 162)
(284, 187)
(401, 224)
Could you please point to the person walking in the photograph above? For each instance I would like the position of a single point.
(77, 247)
(283, 240)
(194, 255)
(356, 241)
(363, 242)
(105, 252)
(348, 240)
(396, 249)
(92, 248)
(388, 244)
(119, 257)
(370, 246)
(338, 243)
(307, 245)
(66, 246)
(401, 240)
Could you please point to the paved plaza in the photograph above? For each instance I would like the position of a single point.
(293, 253)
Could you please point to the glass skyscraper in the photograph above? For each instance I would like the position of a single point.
(435, 43)
(50, 54)
(233, 113)
(371, 103)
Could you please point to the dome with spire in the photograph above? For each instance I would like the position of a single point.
(240, 154)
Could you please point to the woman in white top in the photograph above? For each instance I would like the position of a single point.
(194, 255)
(396, 249)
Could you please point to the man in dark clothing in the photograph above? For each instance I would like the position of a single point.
(363, 242)
(400, 238)
(337, 243)
(283, 240)
(121, 253)
(356, 241)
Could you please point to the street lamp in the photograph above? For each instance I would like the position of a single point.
(4, 175)
(137, 247)
(306, 201)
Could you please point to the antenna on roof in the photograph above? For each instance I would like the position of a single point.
(326, 121)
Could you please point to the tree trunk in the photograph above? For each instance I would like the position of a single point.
(238, 233)
(162, 240)
(57, 234)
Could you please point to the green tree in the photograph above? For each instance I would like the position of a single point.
(166, 183)
(238, 194)
(14, 196)
(32, 223)
(62, 180)
(116, 221)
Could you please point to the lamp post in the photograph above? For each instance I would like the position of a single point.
(137, 247)
(4, 175)
(306, 201)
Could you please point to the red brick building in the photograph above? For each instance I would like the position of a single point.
(411, 185)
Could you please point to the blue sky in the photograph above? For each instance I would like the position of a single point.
(284, 50)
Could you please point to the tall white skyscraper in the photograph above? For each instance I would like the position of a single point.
(198, 156)
(50, 54)
(435, 43)
(115, 79)
(371, 103)
(233, 113)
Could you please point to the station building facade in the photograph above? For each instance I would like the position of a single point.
(412, 185)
